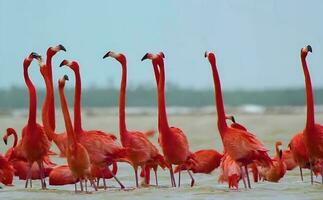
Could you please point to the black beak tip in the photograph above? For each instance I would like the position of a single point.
(106, 55)
(233, 119)
(62, 64)
(62, 47)
(309, 48)
(35, 55)
(5, 141)
(66, 77)
(205, 54)
(145, 57)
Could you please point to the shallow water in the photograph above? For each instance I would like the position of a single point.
(202, 133)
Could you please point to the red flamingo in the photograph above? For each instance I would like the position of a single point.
(77, 156)
(172, 140)
(313, 133)
(62, 175)
(277, 170)
(242, 146)
(103, 148)
(287, 157)
(230, 172)
(17, 158)
(49, 103)
(35, 143)
(6, 171)
(140, 150)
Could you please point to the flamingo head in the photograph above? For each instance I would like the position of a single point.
(61, 81)
(71, 64)
(210, 56)
(231, 117)
(154, 57)
(51, 51)
(305, 50)
(9, 132)
(118, 56)
(30, 58)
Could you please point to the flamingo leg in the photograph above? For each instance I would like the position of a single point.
(94, 185)
(301, 172)
(246, 169)
(41, 175)
(172, 176)
(85, 185)
(311, 168)
(192, 178)
(75, 188)
(243, 177)
(28, 176)
(104, 184)
(81, 184)
(179, 178)
(98, 181)
(115, 178)
(322, 171)
(136, 175)
(156, 178)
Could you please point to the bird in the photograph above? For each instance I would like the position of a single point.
(242, 146)
(77, 156)
(299, 152)
(172, 140)
(207, 161)
(61, 175)
(140, 151)
(35, 143)
(17, 159)
(102, 147)
(230, 172)
(6, 171)
(49, 102)
(313, 132)
(102, 172)
(277, 170)
(287, 157)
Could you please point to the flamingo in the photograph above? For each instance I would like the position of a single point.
(313, 133)
(207, 161)
(277, 170)
(172, 140)
(17, 159)
(77, 156)
(230, 172)
(35, 143)
(103, 148)
(6, 171)
(242, 146)
(49, 103)
(287, 157)
(140, 150)
(61, 175)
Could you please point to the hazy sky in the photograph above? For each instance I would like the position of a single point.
(257, 42)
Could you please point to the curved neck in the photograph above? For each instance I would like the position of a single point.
(162, 113)
(77, 103)
(122, 102)
(156, 72)
(309, 95)
(45, 109)
(51, 113)
(15, 141)
(277, 149)
(222, 124)
(71, 137)
(32, 98)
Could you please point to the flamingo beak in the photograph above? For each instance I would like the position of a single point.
(233, 119)
(61, 47)
(145, 57)
(35, 55)
(107, 55)
(5, 139)
(309, 48)
(162, 54)
(64, 62)
(65, 77)
(205, 54)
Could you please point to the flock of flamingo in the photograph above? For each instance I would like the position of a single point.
(93, 154)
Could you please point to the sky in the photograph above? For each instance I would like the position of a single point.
(257, 43)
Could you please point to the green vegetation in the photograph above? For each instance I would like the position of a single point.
(17, 97)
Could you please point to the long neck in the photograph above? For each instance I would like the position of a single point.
(15, 141)
(71, 137)
(156, 72)
(122, 103)
(45, 109)
(162, 115)
(32, 98)
(309, 95)
(277, 149)
(218, 98)
(51, 113)
(77, 103)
